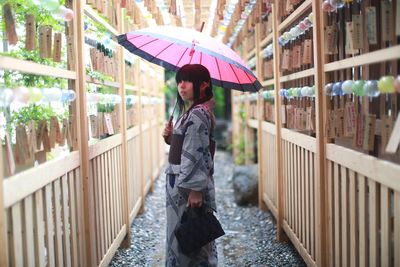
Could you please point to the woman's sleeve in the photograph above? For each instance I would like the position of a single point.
(195, 168)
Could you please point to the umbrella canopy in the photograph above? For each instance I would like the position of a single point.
(172, 47)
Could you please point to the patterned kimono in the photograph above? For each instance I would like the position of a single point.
(192, 174)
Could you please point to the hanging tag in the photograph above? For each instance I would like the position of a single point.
(358, 32)
(57, 47)
(290, 117)
(94, 126)
(285, 59)
(369, 132)
(349, 48)
(339, 122)
(42, 42)
(70, 52)
(308, 119)
(100, 123)
(10, 25)
(386, 129)
(349, 119)
(330, 124)
(30, 29)
(115, 117)
(108, 122)
(328, 36)
(359, 136)
(386, 21)
(32, 137)
(65, 132)
(52, 134)
(49, 37)
(296, 57)
(9, 156)
(45, 137)
(307, 52)
(21, 145)
(394, 139)
(371, 25)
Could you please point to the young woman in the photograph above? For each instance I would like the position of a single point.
(189, 172)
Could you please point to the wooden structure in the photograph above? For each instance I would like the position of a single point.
(76, 210)
(338, 202)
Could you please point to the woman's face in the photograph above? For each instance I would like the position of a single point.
(185, 89)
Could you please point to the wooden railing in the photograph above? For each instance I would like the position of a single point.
(364, 209)
(299, 155)
(44, 215)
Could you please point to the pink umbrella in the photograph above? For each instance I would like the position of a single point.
(172, 47)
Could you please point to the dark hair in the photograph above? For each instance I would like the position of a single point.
(196, 74)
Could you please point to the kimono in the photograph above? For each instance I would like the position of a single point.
(193, 173)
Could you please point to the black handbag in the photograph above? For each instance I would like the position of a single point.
(198, 227)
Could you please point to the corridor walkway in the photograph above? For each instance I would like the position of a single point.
(249, 239)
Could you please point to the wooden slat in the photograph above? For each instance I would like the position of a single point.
(298, 13)
(82, 255)
(302, 196)
(312, 197)
(72, 219)
(297, 244)
(104, 145)
(344, 216)
(93, 170)
(396, 224)
(373, 218)
(297, 189)
(101, 199)
(353, 219)
(112, 194)
(113, 248)
(362, 200)
(39, 229)
(336, 234)
(49, 237)
(381, 171)
(58, 223)
(299, 139)
(16, 257)
(66, 227)
(106, 83)
(381, 55)
(297, 75)
(307, 194)
(385, 227)
(26, 183)
(107, 164)
(24, 66)
(28, 244)
(266, 40)
(331, 217)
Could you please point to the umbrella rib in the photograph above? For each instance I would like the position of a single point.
(237, 78)
(181, 58)
(201, 57)
(216, 62)
(163, 50)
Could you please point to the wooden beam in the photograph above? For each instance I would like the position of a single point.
(278, 125)
(94, 16)
(297, 75)
(266, 40)
(10, 63)
(102, 146)
(82, 122)
(107, 83)
(268, 82)
(295, 15)
(26, 183)
(321, 202)
(3, 218)
(382, 55)
(122, 118)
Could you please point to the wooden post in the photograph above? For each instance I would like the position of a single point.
(320, 174)
(122, 118)
(278, 125)
(141, 173)
(82, 123)
(3, 228)
(260, 108)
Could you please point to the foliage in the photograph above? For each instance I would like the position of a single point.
(97, 75)
(29, 113)
(42, 16)
(219, 102)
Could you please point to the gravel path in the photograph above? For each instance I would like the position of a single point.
(250, 232)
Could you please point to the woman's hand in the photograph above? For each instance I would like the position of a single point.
(168, 131)
(195, 199)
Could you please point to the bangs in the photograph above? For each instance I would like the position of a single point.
(184, 74)
(194, 73)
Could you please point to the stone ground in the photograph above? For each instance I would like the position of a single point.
(250, 232)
